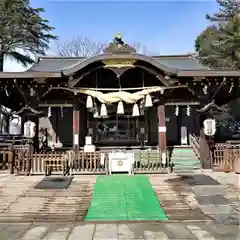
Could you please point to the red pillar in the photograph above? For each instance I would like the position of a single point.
(161, 128)
(76, 119)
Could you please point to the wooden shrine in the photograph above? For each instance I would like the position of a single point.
(120, 99)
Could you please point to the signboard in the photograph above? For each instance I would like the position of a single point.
(209, 127)
(29, 129)
(119, 63)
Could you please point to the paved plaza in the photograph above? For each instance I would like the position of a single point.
(201, 205)
(133, 231)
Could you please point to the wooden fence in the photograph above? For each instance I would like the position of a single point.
(88, 163)
(5, 156)
(16, 159)
(151, 161)
(226, 157)
(69, 162)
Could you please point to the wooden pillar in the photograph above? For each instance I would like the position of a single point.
(161, 127)
(76, 129)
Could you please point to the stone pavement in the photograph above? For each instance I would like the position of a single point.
(199, 196)
(20, 201)
(134, 231)
(209, 201)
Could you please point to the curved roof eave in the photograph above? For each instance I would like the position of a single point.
(208, 73)
(81, 64)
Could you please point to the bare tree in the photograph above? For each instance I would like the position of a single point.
(85, 47)
(80, 47)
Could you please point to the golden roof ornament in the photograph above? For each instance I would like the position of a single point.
(118, 46)
(118, 39)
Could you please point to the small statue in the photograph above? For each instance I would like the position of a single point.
(118, 39)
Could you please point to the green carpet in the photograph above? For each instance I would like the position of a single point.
(123, 197)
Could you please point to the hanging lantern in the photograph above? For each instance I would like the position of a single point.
(49, 112)
(188, 110)
(135, 112)
(89, 103)
(148, 101)
(176, 110)
(120, 108)
(103, 111)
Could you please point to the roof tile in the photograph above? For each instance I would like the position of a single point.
(57, 64)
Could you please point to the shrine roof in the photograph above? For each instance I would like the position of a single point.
(177, 65)
(58, 64)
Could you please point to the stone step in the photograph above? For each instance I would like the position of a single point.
(186, 168)
(190, 159)
(190, 154)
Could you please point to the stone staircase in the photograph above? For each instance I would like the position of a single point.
(184, 159)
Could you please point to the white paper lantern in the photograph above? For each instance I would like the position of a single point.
(29, 129)
(120, 108)
(209, 127)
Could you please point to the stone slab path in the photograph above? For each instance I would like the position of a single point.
(137, 231)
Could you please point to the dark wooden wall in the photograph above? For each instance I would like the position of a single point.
(173, 124)
(62, 124)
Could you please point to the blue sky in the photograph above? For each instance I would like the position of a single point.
(163, 27)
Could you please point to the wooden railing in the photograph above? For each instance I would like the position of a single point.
(70, 162)
(226, 156)
(151, 161)
(58, 162)
(6, 156)
(194, 142)
(40, 163)
(81, 162)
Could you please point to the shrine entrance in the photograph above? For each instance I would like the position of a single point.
(118, 130)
